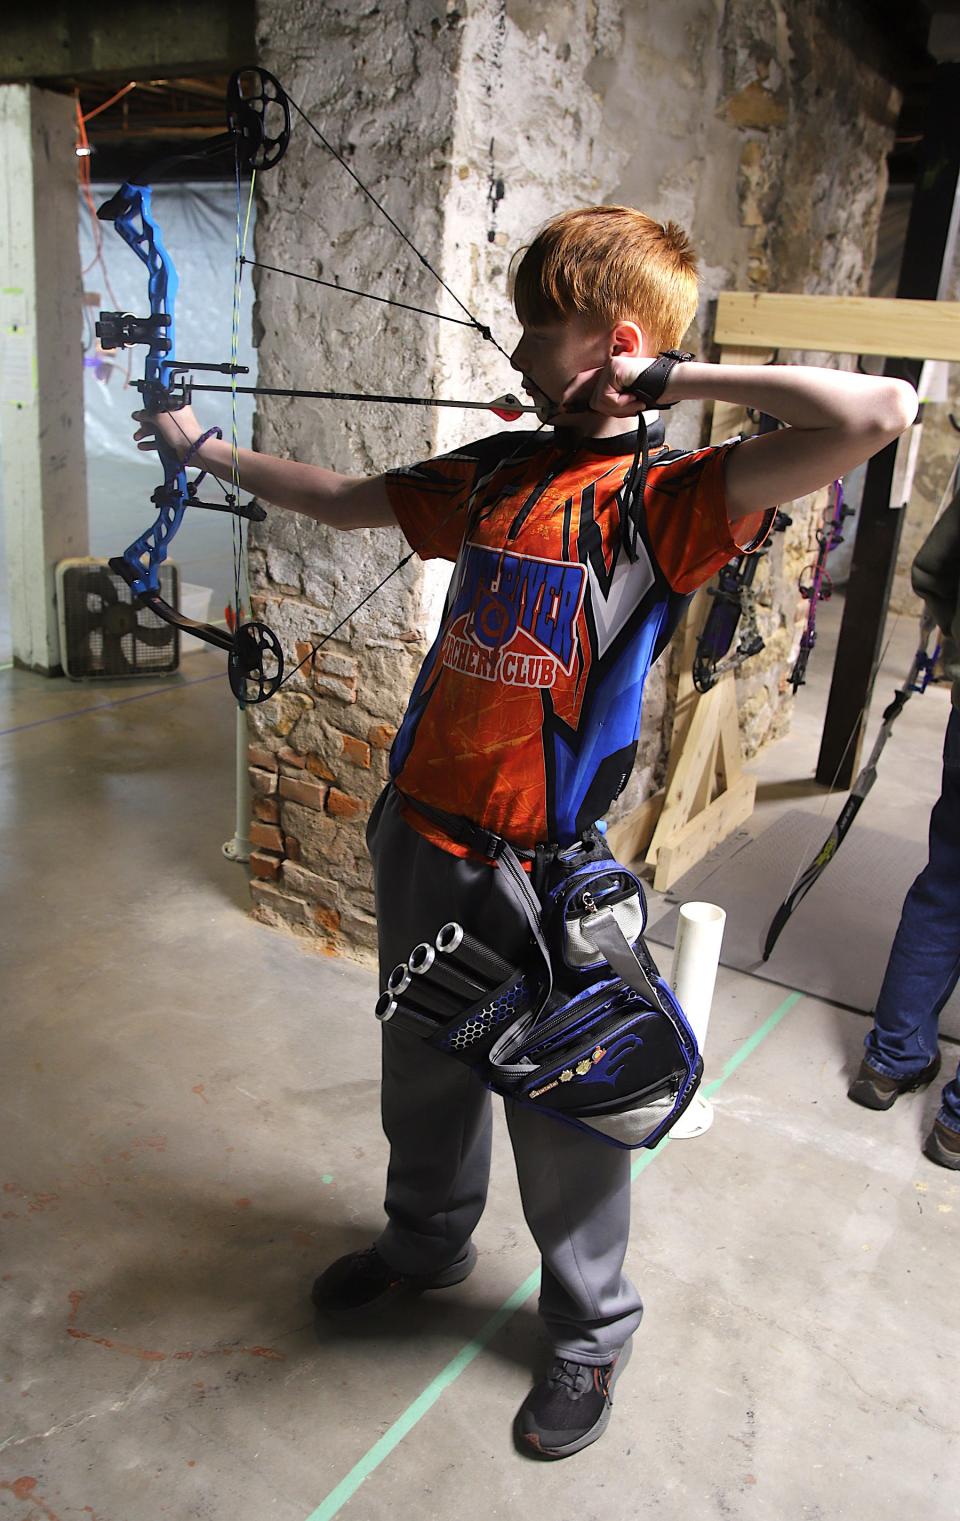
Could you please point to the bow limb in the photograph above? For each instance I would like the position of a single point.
(130, 211)
(917, 680)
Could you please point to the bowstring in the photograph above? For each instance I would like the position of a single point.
(242, 232)
(365, 295)
(481, 327)
(472, 321)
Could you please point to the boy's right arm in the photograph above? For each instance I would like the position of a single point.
(339, 501)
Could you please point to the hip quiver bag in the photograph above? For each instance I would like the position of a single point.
(587, 1031)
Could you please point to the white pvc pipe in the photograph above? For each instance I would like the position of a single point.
(693, 977)
(238, 849)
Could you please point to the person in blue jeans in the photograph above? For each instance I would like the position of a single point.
(902, 1053)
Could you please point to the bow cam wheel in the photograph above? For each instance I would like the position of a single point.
(258, 112)
(255, 664)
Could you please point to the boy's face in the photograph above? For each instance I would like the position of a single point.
(552, 355)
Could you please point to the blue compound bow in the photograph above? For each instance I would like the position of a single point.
(258, 132)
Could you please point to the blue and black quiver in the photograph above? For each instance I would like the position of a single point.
(587, 1031)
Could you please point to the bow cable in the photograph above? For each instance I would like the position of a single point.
(469, 320)
(481, 327)
(365, 295)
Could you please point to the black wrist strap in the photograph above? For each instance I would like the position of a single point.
(651, 383)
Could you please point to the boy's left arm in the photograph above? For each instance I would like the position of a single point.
(834, 420)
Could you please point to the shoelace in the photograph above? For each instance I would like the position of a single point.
(577, 1378)
(569, 1375)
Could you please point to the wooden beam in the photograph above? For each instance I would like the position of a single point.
(690, 843)
(894, 329)
(630, 836)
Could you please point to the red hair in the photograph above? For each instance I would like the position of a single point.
(611, 264)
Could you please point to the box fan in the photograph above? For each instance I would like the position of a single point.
(105, 631)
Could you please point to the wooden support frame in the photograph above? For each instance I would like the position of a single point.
(840, 325)
(707, 794)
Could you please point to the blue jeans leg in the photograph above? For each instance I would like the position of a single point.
(924, 963)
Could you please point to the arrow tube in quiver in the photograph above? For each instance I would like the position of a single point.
(478, 959)
(423, 964)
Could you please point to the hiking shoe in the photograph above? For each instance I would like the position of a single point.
(875, 1091)
(571, 1407)
(943, 1145)
(358, 1279)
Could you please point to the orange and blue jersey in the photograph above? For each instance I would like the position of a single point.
(525, 715)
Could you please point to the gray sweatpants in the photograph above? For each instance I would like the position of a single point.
(437, 1118)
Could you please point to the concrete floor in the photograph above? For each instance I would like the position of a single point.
(190, 1129)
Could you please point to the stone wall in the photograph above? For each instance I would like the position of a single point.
(762, 127)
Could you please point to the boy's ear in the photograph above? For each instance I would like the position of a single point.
(627, 341)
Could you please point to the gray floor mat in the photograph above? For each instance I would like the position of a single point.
(837, 941)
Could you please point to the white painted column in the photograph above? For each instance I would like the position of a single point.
(41, 362)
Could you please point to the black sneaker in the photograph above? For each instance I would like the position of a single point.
(571, 1407)
(358, 1279)
(943, 1145)
(875, 1091)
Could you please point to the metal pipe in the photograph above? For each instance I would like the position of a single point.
(385, 1007)
(421, 958)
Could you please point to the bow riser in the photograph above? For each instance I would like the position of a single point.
(255, 662)
(816, 585)
(130, 211)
